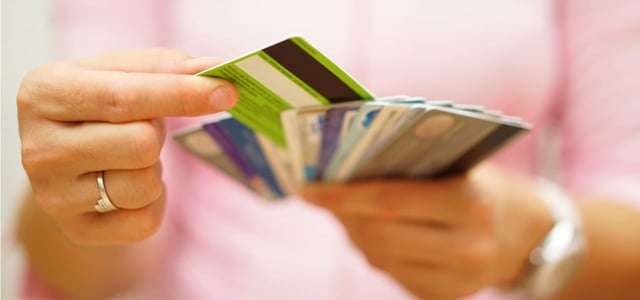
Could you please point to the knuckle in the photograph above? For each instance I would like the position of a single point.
(148, 222)
(151, 183)
(25, 99)
(146, 144)
(121, 100)
(187, 94)
(477, 259)
(480, 255)
(31, 157)
(35, 83)
(36, 158)
(480, 215)
(50, 204)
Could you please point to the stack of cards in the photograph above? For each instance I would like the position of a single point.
(302, 119)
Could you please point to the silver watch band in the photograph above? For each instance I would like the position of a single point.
(554, 262)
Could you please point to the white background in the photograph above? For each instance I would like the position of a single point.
(26, 43)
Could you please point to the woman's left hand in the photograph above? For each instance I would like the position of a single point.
(445, 238)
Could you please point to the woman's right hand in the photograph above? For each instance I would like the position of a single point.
(80, 118)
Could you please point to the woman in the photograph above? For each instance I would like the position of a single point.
(558, 64)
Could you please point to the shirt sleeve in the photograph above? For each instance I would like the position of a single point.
(599, 114)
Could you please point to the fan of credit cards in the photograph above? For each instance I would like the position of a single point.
(300, 119)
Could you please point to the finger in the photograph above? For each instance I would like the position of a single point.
(91, 147)
(68, 93)
(156, 60)
(443, 201)
(463, 257)
(116, 227)
(127, 189)
(425, 281)
(403, 241)
(133, 189)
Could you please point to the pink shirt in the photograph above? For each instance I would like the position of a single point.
(575, 64)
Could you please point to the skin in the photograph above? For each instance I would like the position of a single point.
(108, 107)
(104, 113)
(450, 238)
(440, 239)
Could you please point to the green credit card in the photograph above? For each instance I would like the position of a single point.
(288, 74)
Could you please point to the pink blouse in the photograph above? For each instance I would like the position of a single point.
(572, 64)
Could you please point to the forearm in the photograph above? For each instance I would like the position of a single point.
(611, 266)
(75, 271)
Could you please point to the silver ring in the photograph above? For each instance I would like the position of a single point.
(104, 204)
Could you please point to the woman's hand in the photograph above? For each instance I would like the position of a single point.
(105, 113)
(441, 239)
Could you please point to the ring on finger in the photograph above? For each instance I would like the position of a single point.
(104, 204)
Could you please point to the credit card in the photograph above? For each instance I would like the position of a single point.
(332, 134)
(388, 117)
(285, 75)
(508, 130)
(361, 121)
(365, 118)
(279, 162)
(441, 141)
(199, 143)
(303, 134)
(241, 145)
(347, 121)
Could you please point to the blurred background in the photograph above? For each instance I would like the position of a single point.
(26, 43)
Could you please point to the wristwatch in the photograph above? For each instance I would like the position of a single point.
(555, 261)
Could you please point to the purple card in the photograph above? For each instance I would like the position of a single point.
(331, 136)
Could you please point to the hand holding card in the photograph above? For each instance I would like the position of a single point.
(300, 119)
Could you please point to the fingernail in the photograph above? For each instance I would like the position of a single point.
(224, 97)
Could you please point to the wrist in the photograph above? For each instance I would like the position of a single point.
(553, 261)
(527, 221)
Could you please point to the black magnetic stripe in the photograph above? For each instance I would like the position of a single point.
(482, 150)
(312, 72)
